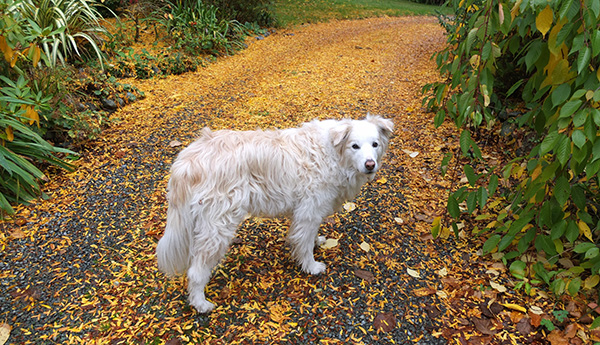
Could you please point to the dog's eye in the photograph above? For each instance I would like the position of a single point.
(375, 144)
(355, 146)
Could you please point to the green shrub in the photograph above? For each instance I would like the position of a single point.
(65, 29)
(246, 11)
(546, 199)
(195, 28)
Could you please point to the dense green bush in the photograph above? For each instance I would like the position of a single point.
(22, 108)
(543, 58)
(430, 2)
(64, 29)
(195, 28)
(246, 11)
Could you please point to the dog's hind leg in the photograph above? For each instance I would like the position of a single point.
(302, 237)
(210, 245)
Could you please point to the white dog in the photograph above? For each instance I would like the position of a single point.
(304, 173)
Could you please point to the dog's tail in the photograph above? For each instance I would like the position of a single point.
(173, 249)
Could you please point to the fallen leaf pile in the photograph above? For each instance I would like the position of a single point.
(80, 267)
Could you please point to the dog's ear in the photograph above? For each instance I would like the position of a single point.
(339, 135)
(386, 126)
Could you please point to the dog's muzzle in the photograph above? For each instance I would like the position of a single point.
(370, 165)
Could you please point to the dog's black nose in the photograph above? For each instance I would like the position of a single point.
(370, 165)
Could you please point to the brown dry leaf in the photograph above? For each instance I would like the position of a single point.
(556, 337)
(17, 234)
(484, 325)
(384, 322)
(524, 326)
(366, 275)
(425, 291)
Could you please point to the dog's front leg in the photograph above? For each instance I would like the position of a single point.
(301, 237)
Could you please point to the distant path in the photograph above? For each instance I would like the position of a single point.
(80, 267)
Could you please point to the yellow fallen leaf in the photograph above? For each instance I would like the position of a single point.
(536, 310)
(382, 180)
(442, 294)
(365, 246)
(497, 287)
(4, 332)
(514, 307)
(413, 273)
(330, 243)
(349, 206)
(442, 272)
(591, 281)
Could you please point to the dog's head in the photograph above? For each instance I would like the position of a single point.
(362, 143)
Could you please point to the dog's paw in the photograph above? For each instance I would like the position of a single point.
(316, 268)
(202, 305)
(320, 240)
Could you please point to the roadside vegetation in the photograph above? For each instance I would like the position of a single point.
(525, 74)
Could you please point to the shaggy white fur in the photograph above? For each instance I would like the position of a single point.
(303, 173)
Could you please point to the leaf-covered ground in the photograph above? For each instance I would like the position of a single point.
(80, 267)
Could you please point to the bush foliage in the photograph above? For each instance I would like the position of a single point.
(541, 57)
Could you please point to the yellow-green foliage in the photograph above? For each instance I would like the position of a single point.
(545, 56)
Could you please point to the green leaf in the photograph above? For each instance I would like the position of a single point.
(562, 190)
(578, 138)
(578, 196)
(583, 60)
(564, 9)
(574, 286)
(558, 287)
(572, 232)
(471, 175)
(482, 197)
(517, 269)
(493, 185)
(514, 87)
(543, 242)
(548, 323)
(592, 253)
(563, 151)
(490, 243)
(439, 118)
(533, 53)
(560, 94)
(445, 162)
(584, 247)
(465, 142)
(570, 107)
(595, 324)
(471, 38)
(525, 241)
(558, 230)
(595, 41)
(471, 202)
(549, 142)
(453, 208)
